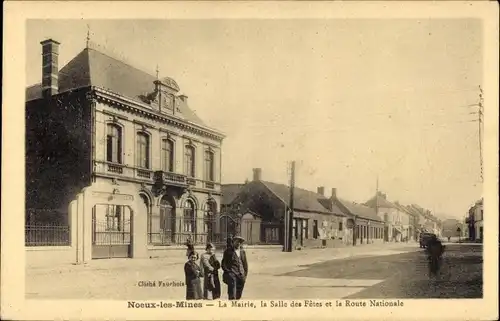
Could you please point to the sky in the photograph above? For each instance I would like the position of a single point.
(349, 100)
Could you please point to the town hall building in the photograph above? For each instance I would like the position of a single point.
(102, 124)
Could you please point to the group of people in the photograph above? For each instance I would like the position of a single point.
(234, 267)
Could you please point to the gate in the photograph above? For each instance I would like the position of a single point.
(110, 231)
(229, 227)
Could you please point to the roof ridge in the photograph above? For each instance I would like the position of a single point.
(120, 60)
(299, 188)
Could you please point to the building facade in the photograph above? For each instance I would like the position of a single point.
(475, 221)
(100, 121)
(317, 221)
(397, 220)
(363, 224)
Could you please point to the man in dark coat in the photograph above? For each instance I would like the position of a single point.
(235, 267)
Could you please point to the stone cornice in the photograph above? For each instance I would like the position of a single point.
(144, 110)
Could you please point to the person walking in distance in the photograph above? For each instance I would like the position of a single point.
(235, 267)
(435, 250)
(210, 267)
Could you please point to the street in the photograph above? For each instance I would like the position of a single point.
(369, 271)
(406, 275)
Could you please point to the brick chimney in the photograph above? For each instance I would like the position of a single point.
(257, 174)
(50, 67)
(321, 190)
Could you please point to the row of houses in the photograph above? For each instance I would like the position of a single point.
(320, 220)
(119, 165)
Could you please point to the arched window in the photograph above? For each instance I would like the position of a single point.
(209, 166)
(142, 150)
(189, 167)
(167, 155)
(189, 217)
(114, 143)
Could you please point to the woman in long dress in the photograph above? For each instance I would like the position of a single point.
(210, 267)
(193, 274)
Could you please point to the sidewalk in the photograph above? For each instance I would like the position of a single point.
(119, 278)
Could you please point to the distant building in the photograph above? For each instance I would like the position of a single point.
(396, 219)
(475, 221)
(368, 227)
(451, 228)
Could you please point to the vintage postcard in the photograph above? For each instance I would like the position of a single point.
(249, 160)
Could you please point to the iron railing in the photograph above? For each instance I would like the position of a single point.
(47, 235)
(176, 231)
(171, 230)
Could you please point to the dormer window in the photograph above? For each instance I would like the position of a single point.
(164, 96)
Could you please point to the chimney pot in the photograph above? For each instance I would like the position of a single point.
(334, 193)
(50, 67)
(257, 174)
(321, 190)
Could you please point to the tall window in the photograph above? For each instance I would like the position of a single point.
(189, 161)
(209, 166)
(114, 143)
(167, 155)
(142, 150)
(189, 222)
(315, 229)
(340, 226)
(305, 229)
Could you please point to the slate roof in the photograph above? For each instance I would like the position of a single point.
(360, 210)
(404, 209)
(94, 68)
(303, 199)
(382, 202)
(229, 192)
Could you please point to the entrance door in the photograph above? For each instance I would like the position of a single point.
(110, 231)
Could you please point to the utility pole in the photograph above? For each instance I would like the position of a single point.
(290, 215)
(480, 123)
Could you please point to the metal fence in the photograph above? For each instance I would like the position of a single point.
(176, 231)
(47, 235)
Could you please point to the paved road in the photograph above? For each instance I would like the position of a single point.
(405, 275)
(384, 271)
(118, 278)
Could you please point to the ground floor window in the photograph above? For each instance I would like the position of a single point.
(315, 229)
(272, 234)
(300, 228)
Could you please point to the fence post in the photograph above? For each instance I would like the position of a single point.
(72, 223)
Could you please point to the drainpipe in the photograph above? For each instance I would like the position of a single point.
(354, 231)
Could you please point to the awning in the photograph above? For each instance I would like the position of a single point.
(398, 229)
